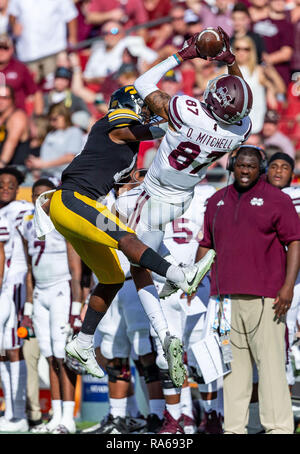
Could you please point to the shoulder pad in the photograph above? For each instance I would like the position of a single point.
(120, 118)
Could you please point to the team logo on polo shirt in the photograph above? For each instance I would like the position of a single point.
(220, 203)
(255, 201)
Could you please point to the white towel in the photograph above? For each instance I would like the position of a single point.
(42, 222)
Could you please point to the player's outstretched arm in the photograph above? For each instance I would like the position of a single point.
(146, 84)
(226, 56)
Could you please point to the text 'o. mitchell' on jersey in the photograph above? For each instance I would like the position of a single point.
(185, 153)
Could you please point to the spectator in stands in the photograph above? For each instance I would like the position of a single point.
(130, 13)
(264, 81)
(272, 136)
(18, 77)
(276, 31)
(60, 146)
(218, 14)
(272, 149)
(14, 130)
(171, 83)
(290, 113)
(4, 22)
(295, 18)
(258, 10)
(176, 31)
(241, 27)
(157, 10)
(107, 55)
(205, 71)
(84, 29)
(62, 92)
(43, 29)
(39, 128)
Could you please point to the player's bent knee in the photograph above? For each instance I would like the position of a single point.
(151, 373)
(118, 369)
(165, 379)
(59, 349)
(45, 349)
(126, 239)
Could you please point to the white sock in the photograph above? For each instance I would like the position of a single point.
(132, 407)
(152, 306)
(175, 274)
(6, 387)
(68, 413)
(85, 340)
(186, 401)
(57, 413)
(157, 406)
(174, 410)
(118, 407)
(18, 374)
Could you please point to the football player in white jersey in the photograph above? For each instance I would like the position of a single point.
(197, 134)
(55, 269)
(12, 302)
(123, 332)
(186, 316)
(280, 174)
(5, 254)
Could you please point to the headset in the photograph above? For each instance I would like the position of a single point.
(263, 162)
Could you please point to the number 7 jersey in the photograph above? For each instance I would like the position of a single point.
(185, 153)
(49, 258)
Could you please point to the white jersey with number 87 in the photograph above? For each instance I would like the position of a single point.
(184, 154)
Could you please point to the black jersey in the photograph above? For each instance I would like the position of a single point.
(102, 163)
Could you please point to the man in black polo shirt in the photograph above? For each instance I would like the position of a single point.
(255, 231)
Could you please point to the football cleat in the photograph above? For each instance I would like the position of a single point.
(153, 425)
(86, 356)
(193, 276)
(195, 273)
(112, 426)
(211, 423)
(14, 425)
(170, 425)
(174, 355)
(135, 425)
(189, 425)
(62, 429)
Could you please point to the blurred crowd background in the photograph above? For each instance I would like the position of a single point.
(60, 61)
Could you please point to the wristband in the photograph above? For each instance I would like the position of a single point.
(28, 309)
(76, 308)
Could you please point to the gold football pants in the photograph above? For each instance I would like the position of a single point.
(93, 230)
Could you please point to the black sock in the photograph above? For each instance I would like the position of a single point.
(154, 262)
(91, 320)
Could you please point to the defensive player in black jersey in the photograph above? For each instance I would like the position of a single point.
(78, 213)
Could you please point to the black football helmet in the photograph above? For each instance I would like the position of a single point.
(126, 97)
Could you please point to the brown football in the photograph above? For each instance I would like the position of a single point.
(209, 43)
